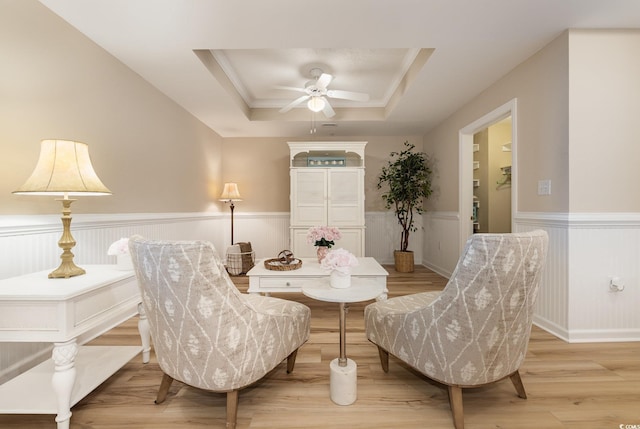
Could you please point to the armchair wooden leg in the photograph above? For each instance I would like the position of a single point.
(384, 359)
(517, 383)
(232, 409)
(455, 401)
(164, 388)
(291, 361)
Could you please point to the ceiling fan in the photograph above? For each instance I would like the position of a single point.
(316, 94)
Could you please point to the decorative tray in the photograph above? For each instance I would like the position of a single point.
(277, 265)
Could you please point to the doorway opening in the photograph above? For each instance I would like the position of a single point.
(466, 168)
(492, 178)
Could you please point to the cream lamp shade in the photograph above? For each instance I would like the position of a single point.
(64, 168)
(230, 193)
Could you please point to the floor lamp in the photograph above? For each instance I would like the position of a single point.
(64, 169)
(230, 193)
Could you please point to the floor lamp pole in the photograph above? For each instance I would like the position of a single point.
(232, 207)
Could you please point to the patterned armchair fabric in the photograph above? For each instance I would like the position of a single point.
(477, 329)
(205, 332)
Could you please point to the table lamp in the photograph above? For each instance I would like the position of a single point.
(64, 168)
(230, 194)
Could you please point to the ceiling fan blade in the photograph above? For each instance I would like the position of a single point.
(294, 103)
(291, 88)
(347, 95)
(328, 110)
(324, 80)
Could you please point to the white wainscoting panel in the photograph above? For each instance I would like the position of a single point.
(601, 247)
(382, 237)
(441, 243)
(585, 250)
(552, 306)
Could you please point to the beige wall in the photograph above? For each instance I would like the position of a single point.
(581, 136)
(55, 83)
(260, 166)
(540, 85)
(604, 144)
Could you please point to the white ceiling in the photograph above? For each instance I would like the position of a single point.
(419, 60)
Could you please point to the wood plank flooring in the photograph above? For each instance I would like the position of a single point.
(569, 385)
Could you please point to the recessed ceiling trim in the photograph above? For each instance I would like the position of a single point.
(343, 114)
(412, 72)
(220, 66)
(218, 73)
(407, 62)
(225, 65)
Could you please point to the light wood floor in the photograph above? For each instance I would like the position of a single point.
(569, 386)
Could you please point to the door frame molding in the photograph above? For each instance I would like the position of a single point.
(465, 165)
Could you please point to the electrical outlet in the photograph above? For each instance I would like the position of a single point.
(544, 187)
(616, 284)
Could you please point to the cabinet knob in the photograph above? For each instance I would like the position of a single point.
(287, 284)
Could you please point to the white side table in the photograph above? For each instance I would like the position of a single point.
(67, 312)
(343, 387)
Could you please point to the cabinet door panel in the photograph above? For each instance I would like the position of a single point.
(352, 240)
(308, 193)
(346, 198)
(301, 249)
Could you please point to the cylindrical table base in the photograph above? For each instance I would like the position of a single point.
(343, 382)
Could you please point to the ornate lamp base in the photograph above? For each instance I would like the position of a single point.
(67, 268)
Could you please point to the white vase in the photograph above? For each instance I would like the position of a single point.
(339, 280)
(124, 262)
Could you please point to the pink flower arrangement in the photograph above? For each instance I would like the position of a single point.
(323, 235)
(340, 260)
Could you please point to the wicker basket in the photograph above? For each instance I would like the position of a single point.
(234, 262)
(277, 265)
(403, 261)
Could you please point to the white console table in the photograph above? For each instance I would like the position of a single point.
(68, 313)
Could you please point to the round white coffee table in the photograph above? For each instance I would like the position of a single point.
(344, 371)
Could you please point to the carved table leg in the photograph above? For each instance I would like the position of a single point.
(384, 295)
(145, 336)
(64, 358)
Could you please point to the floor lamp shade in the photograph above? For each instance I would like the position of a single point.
(64, 168)
(230, 193)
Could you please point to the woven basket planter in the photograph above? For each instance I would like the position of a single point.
(403, 261)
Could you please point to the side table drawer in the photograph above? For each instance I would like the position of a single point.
(284, 282)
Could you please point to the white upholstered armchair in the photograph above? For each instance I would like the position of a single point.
(206, 333)
(477, 329)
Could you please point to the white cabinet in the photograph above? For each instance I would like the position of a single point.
(327, 188)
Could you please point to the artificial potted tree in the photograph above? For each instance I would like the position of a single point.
(407, 177)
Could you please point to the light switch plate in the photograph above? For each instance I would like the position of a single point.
(544, 187)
